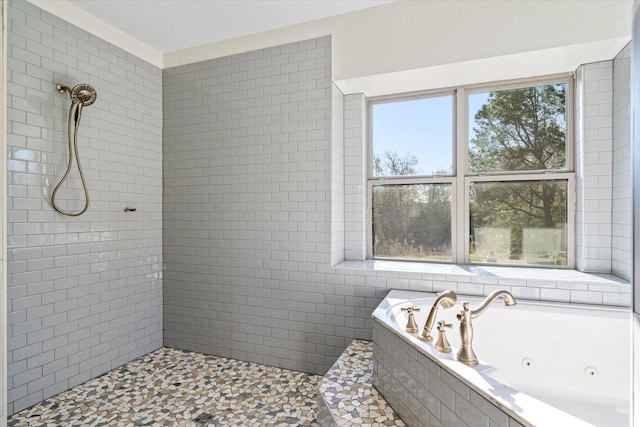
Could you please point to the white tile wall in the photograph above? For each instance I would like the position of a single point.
(85, 293)
(355, 176)
(337, 177)
(3, 174)
(595, 211)
(622, 201)
(579, 109)
(594, 166)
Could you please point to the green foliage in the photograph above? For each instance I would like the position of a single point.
(519, 130)
(517, 206)
(409, 221)
(412, 221)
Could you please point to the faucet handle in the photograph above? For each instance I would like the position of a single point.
(442, 345)
(442, 325)
(412, 327)
(465, 308)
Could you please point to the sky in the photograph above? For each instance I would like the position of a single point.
(423, 127)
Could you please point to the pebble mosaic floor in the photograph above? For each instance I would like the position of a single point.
(348, 393)
(171, 387)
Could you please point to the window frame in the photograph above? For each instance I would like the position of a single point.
(461, 178)
(414, 179)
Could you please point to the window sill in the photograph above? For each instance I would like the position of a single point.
(527, 283)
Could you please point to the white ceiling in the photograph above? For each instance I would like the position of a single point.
(170, 25)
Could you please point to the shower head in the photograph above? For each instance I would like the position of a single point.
(84, 94)
(447, 299)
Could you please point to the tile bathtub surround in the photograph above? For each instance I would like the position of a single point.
(175, 388)
(423, 393)
(84, 293)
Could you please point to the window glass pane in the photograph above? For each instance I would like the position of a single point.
(413, 137)
(518, 129)
(412, 222)
(519, 222)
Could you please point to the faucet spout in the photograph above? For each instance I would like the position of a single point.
(446, 299)
(466, 354)
(506, 297)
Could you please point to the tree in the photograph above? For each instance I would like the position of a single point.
(409, 220)
(519, 130)
(392, 164)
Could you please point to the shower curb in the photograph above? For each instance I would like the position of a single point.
(346, 395)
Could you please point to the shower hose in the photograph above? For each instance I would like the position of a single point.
(73, 149)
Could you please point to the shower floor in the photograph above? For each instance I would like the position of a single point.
(170, 387)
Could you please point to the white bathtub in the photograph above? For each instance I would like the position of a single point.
(555, 364)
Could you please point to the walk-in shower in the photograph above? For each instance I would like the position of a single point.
(82, 95)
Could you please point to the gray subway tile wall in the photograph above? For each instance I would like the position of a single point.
(247, 198)
(84, 293)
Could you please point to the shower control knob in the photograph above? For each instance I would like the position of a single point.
(130, 209)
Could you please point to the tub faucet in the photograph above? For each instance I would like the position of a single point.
(446, 299)
(412, 327)
(466, 354)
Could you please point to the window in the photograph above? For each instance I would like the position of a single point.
(422, 128)
(412, 221)
(479, 174)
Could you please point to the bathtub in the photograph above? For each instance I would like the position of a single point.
(541, 364)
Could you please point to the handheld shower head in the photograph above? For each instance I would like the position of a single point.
(446, 299)
(84, 94)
